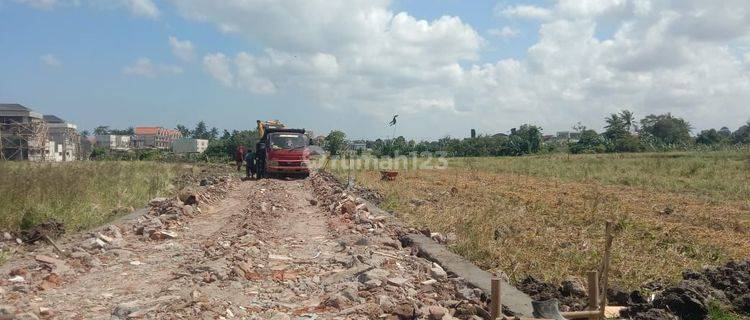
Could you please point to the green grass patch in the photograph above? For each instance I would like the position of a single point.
(718, 311)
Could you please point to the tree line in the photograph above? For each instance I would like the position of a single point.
(622, 133)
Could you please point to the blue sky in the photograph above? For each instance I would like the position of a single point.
(351, 65)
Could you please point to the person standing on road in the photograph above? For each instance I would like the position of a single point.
(260, 160)
(249, 163)
(239, 157)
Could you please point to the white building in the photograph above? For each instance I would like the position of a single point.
(113, 142)
(64, 138)
(188, 145)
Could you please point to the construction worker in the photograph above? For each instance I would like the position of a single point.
(239, 157)
(260, 160)
(250, 163)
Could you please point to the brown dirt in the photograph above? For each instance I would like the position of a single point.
(265, 251)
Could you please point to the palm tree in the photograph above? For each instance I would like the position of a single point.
(629, 119)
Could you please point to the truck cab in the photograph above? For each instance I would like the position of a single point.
(284, 150)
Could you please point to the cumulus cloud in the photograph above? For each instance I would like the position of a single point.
(686, 57)
(217, 65)
(50, 60)
(525, 11)
(182, 49)
(143, 8)
(145, 68)
(504, 32)
(355, 54)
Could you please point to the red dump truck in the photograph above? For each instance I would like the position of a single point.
(281, 150)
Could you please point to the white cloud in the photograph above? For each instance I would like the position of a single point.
(525, 12)
(504, 32)
(182, 49)
(50, 60)
(217, 65)
(358, 57)
(145, 68)
(342, 54)
(143, 8)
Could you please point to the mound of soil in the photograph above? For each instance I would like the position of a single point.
(691, 298)
(541, 291)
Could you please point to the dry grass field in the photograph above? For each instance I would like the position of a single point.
(545, 215)
(79, 194)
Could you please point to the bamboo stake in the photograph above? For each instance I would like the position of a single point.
(605, 267)
(593, 288)
(496, 306)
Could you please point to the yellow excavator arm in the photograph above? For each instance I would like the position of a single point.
(263, 125)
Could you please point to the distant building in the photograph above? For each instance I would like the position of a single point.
(23, 134)
(189, 145)
(155, 137)
(568, 135)
(64, 137)
(358, 145)
(499, 135)
(113, 142)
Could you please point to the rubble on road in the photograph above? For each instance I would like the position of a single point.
(165, 215)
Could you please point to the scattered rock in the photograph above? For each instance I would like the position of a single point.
(7, 311)
(397, 281)
(404, 311)
(26, 316)
(573, 286)
(125, 309)
(436, 312)
(438, 272)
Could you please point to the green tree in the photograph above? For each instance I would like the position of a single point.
(628, 118)
(213, 134)
(527, 139)
(667, 129)
(617, 133)
(616, 127)
(589, 142)
(123, 132)
(200, 131)
(183, 130)
(101, 130)
(711, 137)
(742, 135)
(335, 142)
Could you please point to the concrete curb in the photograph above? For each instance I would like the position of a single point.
(514, 301)
(517, 302)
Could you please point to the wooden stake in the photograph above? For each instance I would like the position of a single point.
(496, 307)
(605, 267)
(54, 245)
(593, 289)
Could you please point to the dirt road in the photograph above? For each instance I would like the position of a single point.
(270, 249)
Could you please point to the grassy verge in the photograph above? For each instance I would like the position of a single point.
(719, 175)
(80, 194)
(544, 216)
